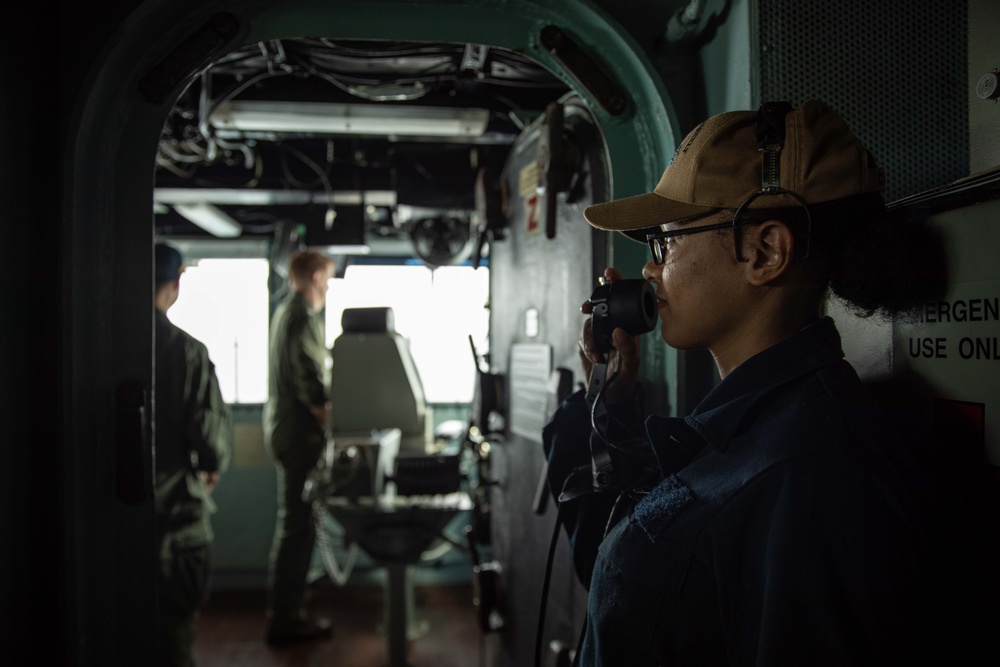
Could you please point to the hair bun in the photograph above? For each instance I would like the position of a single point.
(890, 267)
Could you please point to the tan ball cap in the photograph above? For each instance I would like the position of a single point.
(718, 165)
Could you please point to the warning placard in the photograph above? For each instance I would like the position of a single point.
(955, 344)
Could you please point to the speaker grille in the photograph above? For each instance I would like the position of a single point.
(896, 70)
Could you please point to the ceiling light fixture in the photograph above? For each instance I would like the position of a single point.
(259, 197)
(323, 118)
(211, 219)
(344, 249)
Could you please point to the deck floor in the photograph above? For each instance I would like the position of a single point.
(230, 630)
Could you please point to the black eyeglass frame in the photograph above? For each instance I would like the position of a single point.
(659, 251)
(655, 239)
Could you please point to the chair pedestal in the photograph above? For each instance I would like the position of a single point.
(395, 537)
(398, 610)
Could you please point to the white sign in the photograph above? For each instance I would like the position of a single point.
(530, 367)
(955, 344)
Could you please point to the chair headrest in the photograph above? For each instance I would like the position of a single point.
(367, 320)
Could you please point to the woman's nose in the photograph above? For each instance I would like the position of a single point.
(651, 271)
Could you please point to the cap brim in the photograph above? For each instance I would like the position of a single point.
(636, 216)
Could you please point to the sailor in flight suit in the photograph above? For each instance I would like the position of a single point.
(295, 419)
(193, 433)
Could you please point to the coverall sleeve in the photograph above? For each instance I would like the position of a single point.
(566, 439)
(308, 361)
(210, 426)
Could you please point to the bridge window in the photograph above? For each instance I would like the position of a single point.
(224, 304)
(436, 310)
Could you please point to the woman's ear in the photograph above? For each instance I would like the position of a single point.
(770, 249)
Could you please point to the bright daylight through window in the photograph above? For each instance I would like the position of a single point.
(224, 304)
(436, 311)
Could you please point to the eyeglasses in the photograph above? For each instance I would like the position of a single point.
(743, 216)
(657, 240)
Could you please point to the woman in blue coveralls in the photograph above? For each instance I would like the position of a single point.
(782, 522)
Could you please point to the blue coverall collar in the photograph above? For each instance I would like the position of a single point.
(720, 414)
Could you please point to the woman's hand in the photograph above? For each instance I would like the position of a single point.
(624, 358)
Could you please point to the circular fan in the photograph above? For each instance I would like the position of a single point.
(442, 241)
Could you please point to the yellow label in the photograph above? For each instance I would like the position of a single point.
(528, 182)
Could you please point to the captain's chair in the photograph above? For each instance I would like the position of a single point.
(374, 387)
(374, 384)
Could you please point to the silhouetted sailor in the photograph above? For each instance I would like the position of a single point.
(192, 440)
